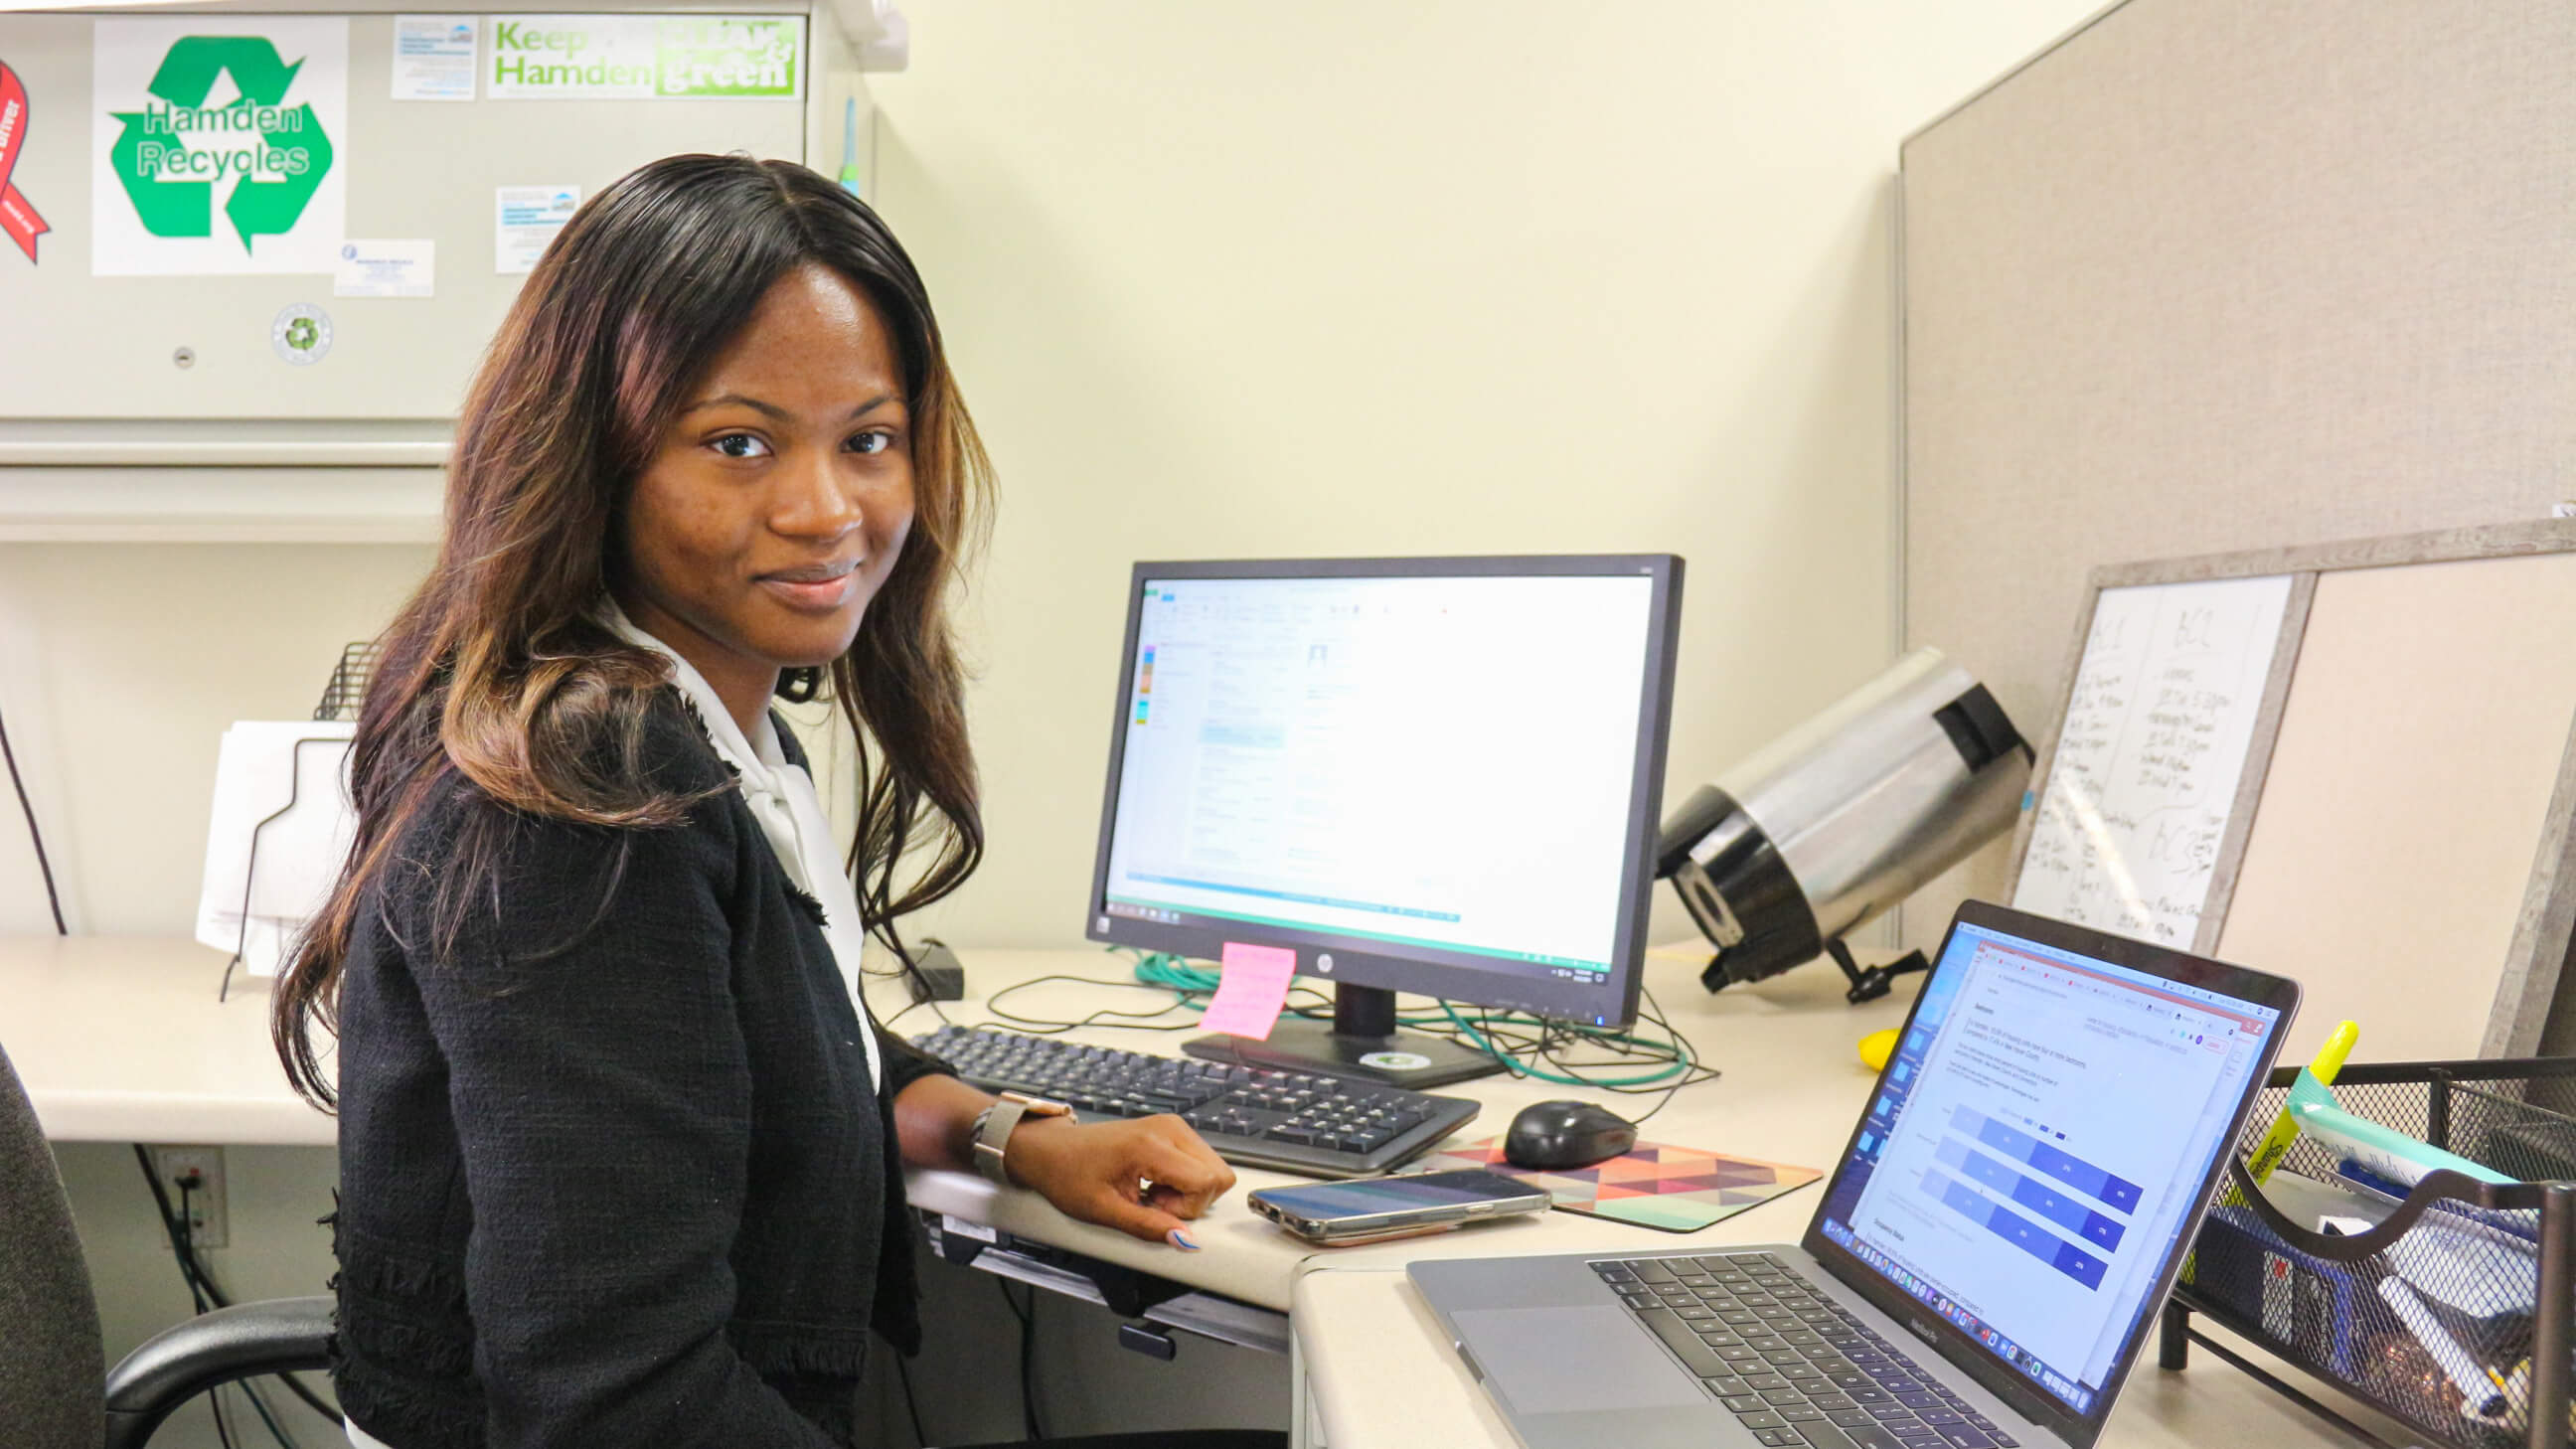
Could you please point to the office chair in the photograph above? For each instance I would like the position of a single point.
(54, 1390)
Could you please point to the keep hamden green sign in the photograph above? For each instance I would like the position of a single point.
(645, 57)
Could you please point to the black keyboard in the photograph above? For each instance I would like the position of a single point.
(1292, 1121)
(1790, 1363)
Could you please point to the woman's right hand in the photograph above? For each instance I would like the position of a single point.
(1146, 1176)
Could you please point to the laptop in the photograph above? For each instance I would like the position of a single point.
(1989, 1251)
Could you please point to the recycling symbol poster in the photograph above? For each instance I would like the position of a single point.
(221, 145)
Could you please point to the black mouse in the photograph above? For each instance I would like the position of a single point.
(1553, 1136)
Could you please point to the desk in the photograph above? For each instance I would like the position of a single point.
(121, 1039)
(1792, 1087)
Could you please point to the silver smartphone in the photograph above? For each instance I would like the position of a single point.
(1385, 1207)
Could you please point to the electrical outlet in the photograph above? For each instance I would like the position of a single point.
(201, 1171)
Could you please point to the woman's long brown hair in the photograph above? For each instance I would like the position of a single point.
(497, 672)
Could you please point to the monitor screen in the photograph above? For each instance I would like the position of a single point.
(1437, 775)
(2041, 1138)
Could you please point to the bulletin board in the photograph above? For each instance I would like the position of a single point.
(2353, 764)
(403, 169)
(287, 366)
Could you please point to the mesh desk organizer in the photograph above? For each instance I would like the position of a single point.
(340, 700)
(2453, 1314)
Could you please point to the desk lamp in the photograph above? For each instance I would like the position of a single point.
(1829, 825)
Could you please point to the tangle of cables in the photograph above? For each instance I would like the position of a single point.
(1652, 1058)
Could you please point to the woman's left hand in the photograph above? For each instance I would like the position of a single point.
(1145, 1176)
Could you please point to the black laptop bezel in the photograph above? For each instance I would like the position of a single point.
(1954, 1344)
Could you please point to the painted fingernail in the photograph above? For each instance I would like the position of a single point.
(1181, 1240)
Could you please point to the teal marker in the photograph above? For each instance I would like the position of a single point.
(849, 177)
(2383, 1150)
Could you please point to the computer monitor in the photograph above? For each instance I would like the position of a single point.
(1436, 775)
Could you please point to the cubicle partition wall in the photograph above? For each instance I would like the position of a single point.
(2216, 275)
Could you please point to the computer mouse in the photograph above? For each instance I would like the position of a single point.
(1552, 1136)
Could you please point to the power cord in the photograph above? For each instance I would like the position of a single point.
(190, 1274)
(911, 1404)
(908, 1008)
(1526, 1045)
(1029, 1369)
(1162, 968)
(35, 836)
(214, 1396)
(1028, 1318)
(204, 1293)
(1624, 1061)
(1543, 1051)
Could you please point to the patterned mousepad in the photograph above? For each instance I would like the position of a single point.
(1653, 1184)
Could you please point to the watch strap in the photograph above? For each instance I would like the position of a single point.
(993, 1134)
(991, 1137)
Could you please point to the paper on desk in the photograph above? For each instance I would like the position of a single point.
(2306, 1201)
(262, 766)
(1251, 988)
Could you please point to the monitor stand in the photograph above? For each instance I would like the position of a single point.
(1361, 1044)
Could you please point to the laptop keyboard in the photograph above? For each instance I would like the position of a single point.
(1791, 1364)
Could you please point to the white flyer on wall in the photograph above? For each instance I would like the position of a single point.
(220, 144)
(435, 57)
(524, 220)
(386, 268)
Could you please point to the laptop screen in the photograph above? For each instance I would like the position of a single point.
(2037, 1146)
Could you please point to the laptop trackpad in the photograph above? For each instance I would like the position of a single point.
(1561, 1360)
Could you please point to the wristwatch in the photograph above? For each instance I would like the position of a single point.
(993, 1129)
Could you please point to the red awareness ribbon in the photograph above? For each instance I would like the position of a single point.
(18, 215)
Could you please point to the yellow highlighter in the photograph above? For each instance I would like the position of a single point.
(1876, 1048)
(2285, 1128)
(2275, 1145)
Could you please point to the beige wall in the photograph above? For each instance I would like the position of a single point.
(1346, 278)
(1233, 280)
(1330, 278)
(120, 666)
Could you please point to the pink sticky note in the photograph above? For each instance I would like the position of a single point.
(1251, 987)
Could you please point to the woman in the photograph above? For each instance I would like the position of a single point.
(620, 1151)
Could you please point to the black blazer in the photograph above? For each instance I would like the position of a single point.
(612, 1171)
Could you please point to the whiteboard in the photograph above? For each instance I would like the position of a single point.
(2142, 785)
